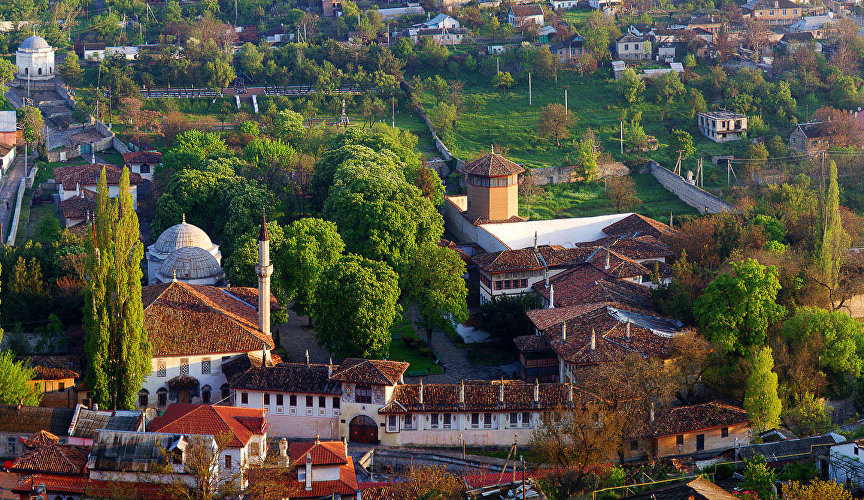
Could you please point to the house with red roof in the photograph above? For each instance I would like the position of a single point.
(60, 468)
(695, 429)
(244, 428)
(72, 179)
(143, 162)
(324, 470)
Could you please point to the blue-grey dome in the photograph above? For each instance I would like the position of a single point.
(34, 42)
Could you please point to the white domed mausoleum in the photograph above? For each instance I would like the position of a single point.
(35, 59)
(187, 250)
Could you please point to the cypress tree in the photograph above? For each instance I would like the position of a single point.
(117, 346)
(760, 398)
(835, 241)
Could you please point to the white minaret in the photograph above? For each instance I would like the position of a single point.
(264, 269)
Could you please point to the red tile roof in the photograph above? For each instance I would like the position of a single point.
(526, 259)
(137, 490)
(585, 284)
(184, 319)
(635, 225)
(53, 483)
(78, 207)
(493, 165)
(240, 423)
(88, 175)
(525, 10)
(479, 395)
(346, 484)
(370, 371)
(142, 157)
(322, 453)
(699, 417)
(44, 453)
(287, 377)
(531, 343)
(56, 367)
(616, 265)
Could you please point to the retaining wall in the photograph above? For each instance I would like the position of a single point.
(551, 175)
(698, 198)
(13, 224)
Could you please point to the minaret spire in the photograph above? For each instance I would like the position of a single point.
(264, 269)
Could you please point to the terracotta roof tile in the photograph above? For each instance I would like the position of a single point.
(44, 453)
(585, 284)
(370, 371)
(531, 343)
(346, 485)
(137, 490)
(198, 319)
(635, 225)
(53, 483)
(615, 264)
(205, 419)
(697, 417)
(322, 453)
(525, 10)
(142, 157)
(55, 367)
(288, 377)
(493, 165)
(77, 207)
(32, 419)
(529, 259)
(480, 395)
(88, 175)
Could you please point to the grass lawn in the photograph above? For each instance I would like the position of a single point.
(407, 346)
(27, 228)
(113, 156)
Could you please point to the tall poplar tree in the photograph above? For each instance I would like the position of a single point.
(760, 398)
(117, 346)
(835, 241)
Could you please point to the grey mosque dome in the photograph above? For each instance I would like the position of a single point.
(182, 235)
(192, 265)
(34, 42)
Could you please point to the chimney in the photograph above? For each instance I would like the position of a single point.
(535, 241)
(265, 355)
(593, 340)
(628, 329)
(501, 391)
(264, 269)
(308, 471)
(537, 390)
(564, 331)
(462, 392)
(283, 453)
(546, 276)
(551, 296)
(670, 220)
(307, 356)
(607, 260)
(569, 391)
(421, 391)
(330, 367)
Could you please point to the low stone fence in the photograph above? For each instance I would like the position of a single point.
(13, 224)
(696, 197)
(403, 458)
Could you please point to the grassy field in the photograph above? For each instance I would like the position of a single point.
(407, 346)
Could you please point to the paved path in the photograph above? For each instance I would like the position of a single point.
(296, 337)
(456, 364)
(8, 191)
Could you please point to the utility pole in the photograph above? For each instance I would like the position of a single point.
(393, 111)
(497, 64)
(622, 137)
(235, 13)
(529, 88)
(566, 108)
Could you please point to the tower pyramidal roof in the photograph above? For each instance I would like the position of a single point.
(492, 165)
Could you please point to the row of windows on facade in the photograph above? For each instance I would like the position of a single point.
(292, 400)
(162, 395)
(451, 421)
(488, 182)
(794, 12)
(503, 284)
(720, 124)
(161, 367)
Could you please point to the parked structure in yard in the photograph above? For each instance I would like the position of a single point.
(722, 126)
(143, 162)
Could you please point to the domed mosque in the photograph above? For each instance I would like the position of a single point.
(35, 59)
(184, 252)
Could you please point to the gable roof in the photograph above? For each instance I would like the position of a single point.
(122, 451)
(320, 452)
(88, 175)
(479, 395)
(288, 377)
(205, 419)
(636, 225)
(370, 371)
(492, 165)
(574, 40)
(44, 453)
(142, 157)
(586, 284)
(754, 5)
(32, 419)
(529, 258)
(56, 367)
(79, 207)
(184, 319)
(525, 10)
(86, 422)
(699, 417)
(811, 129)
(59, 483)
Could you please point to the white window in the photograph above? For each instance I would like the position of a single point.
(184, 366)
(392, 423)
(205, 366)
(160, 369)
(408, 422)
(433, 421)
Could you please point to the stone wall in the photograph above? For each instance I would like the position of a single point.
(552, 175)
(13, 225)
(698, 198)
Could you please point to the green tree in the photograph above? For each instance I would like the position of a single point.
(476, 103)
(588, 155)
(355, 305)
(443, 117)
(681, 140)
(311, 248)
(71, 71)
(736, 309)
(835, 241)
(759, 478)
(555, 121)
(757, 154)
(436, 287)
(14, 376)
(504, 316)
(269, 161)
(837, 337)
(631, 86)
(32, 124)
(288, 125)
(689, 61)
(7, 73)
(118, 349)
(250, 60)
(695, 102)
(760, 398)
(669, 87)
(503, 80)
(220, 73)
(807, 415)
(27, 294)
